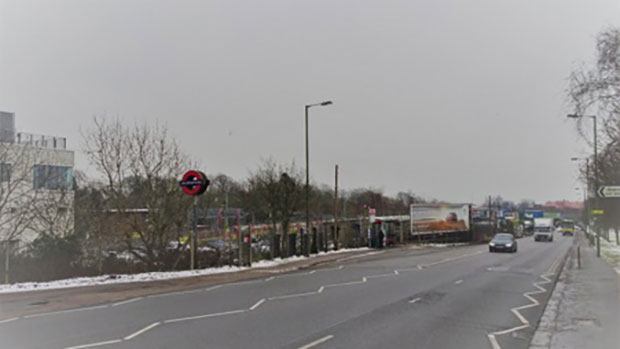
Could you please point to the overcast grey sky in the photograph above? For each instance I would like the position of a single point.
(452, 99)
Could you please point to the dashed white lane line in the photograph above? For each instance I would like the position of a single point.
(292, 296)
(320, 289)
(9, 320)
(205, 316)
(360, 256)
(270, 278)
(213, 287)
(451, 259)
(127, 301)
(174, 293)
(317, 342)
(65, 311)
(415, 300)
(136, 334)
(257, 304)
(458, 282)
(348, 283)
(98, 344)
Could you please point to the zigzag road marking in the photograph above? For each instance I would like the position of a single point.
(552, 270)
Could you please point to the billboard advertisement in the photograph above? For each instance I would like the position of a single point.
(439, 218)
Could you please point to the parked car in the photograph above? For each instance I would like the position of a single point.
(503, 242)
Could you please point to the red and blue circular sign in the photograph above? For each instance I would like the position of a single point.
(194, 183)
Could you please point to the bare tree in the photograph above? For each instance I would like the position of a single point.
(17, 195)
(276, 192)
(140, 167)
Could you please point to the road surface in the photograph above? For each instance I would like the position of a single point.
(461, 297)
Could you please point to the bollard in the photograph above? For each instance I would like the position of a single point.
(578, 257)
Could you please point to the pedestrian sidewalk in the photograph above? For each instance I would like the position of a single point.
(584, 309)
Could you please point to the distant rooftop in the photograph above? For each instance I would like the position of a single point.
(8, 134)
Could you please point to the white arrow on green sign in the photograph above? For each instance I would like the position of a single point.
(609, 191)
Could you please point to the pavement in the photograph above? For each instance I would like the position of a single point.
(584, 310)
(462, 297)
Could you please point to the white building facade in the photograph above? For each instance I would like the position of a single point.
(36, 185)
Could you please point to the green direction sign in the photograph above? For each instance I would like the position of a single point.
(598, 212)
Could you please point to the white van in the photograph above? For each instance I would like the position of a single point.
(543, 229)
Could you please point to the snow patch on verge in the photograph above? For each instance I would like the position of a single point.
(154, 276)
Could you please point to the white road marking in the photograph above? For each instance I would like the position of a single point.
(348, 283)
(127, 301)
(380, 275)
(414, 300)
(9, 320)
(524, 322)
(396, 272)
(292, 296)
(65, 311)
(360, 256)
(257, 304)
(205, 316)
(98, 344)
(173, 293)
(269, 279)
(311, 272)
(317, 342)
(458, 282)
(452, 259)
(136, 334)
(213, 287)
(420, 267)
(320, 289)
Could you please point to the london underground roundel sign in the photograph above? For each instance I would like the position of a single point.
(194, 183)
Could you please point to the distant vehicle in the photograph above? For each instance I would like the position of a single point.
(543, 229)
(528, 227)
(503, 242)
(567, 227)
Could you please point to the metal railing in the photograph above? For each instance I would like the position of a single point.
(41, 141)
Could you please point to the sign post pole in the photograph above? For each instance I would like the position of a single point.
(194, 235)
(194, 183)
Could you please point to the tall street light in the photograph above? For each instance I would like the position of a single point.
(587, 194)
(596, 174)
(306, 235)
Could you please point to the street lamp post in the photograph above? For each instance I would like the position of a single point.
(305, 236)
(596, 174)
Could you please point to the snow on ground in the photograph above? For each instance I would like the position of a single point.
(153, 276)
(610, 250)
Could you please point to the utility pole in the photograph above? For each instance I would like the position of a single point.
(239, 240)
(336, 237)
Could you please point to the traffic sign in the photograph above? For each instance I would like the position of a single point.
(609, 191)
(194, 183)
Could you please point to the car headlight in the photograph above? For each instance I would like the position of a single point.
(491, 244)
(508, 245)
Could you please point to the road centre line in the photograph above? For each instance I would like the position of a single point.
(98, 344)
(458, 282)
(197, 317)
(136, 334)
(317, 342)
(65, 311)
(415, 300)
(127, 301)
(257, 304)
(292, 296)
